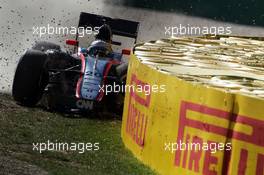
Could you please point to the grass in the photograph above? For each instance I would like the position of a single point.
(21, 127)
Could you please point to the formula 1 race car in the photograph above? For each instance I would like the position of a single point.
(74, 82)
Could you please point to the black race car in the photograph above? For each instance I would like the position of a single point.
(74, 82)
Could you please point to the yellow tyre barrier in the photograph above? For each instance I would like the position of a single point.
(195, 105)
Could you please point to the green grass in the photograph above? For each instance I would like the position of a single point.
(20, 127)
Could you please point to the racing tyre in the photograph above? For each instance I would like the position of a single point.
(121, 71)
(30, 78)
(44, 46)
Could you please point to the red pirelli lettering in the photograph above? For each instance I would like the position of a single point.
(136, 119)
(257, 127)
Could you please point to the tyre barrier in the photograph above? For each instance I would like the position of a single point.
(204, 112)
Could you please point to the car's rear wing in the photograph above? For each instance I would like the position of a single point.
(119, 27)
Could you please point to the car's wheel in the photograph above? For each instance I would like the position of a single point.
(121, 71)
(44, 46)
(30, 78)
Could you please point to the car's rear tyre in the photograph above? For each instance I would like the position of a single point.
(121, 71)
(44, 46)
(30, 78)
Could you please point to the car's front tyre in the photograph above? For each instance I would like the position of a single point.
(30, 78)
